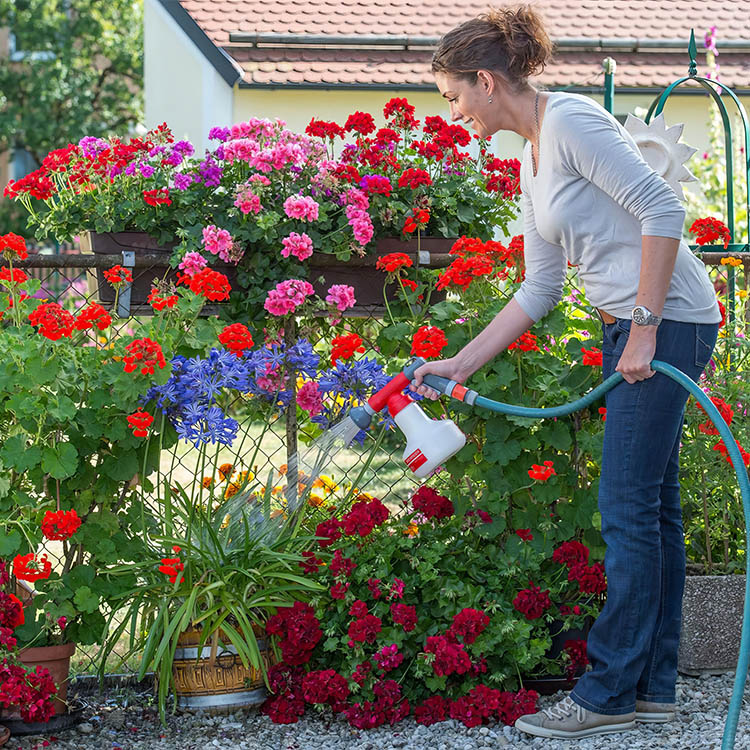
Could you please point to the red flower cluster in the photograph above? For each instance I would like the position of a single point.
(360, 122)
(414, 177)
(52, 321)
(401, 112)
(590, 578)
(363, 517)
(526, 342)
(592, 357)
(393, 262)
(477, 259)
(504, 176)
(31, 568)
(463, 271)
(722, 448)
(139, 422)
(16, 277)
(329, 532)
(525, 534)
(311, 563)
(571, 553)
(338, 590)
(13, 247)
(419, 220)
(210, 284)
(345, 347)
(11, 613)
(450, 657)
(92, 315)
(299, 632)
(118, 275)
(341, 565)
(726, 411)
(286, 703)
(387, 707)
(158, 302)
(144, 354)
(532, 602)
(542, 473)
(325, 687)
(468, 624)
(710, 229)
(404, 614)
(157, 196)
(575, 655)
(432, 711)
(31, 693)
(432, 504)
(172, 567)
(323, 129)
(364, 629)
(236, 337)
(60, 525)
(428, 342)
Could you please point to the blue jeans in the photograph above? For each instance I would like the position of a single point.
(632, 646)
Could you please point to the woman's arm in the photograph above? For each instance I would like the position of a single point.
(658, 257)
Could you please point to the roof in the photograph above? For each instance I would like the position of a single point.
(341, 43)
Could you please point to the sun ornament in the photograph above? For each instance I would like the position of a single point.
(659, 145)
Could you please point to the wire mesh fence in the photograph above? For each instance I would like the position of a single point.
(73, 278)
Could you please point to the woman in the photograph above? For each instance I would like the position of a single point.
(590, 198)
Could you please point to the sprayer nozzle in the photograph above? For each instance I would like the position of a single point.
(361, 416)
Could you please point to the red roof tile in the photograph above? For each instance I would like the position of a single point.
(566, 19)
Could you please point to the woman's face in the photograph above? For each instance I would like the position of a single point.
(468, 102)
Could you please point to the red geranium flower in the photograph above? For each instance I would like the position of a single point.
(158, 302)
(157, 196)
(13, 247)
(61, 524)
(92, 315)
(236, 338)
(211, 284)
(118, 275)
(31, 568)
(143, 353)
(360, 122)
(413, 178)
(710, 229)
(428, 342)
(139, 422)
(532, 602)
(722, 448)
(52, 321)
(592, 357)
(18, 276)
(393, 262)
(542, 473)
(526, 342)
(570, 553)
(525, 534)
(345, 347)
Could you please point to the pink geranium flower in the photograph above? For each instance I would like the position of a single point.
(298, 245)
(341, 296)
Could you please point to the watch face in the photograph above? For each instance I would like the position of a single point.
(639, 315)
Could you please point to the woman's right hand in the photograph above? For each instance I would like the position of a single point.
(446, 368)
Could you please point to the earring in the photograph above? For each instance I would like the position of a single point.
(489, 100)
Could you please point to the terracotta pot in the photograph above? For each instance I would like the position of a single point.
(217, 681)
(361, 273)
(113, 243)
(57, 660)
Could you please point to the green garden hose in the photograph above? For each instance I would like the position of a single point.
(443, 385)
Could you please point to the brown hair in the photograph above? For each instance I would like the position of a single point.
(511, 41)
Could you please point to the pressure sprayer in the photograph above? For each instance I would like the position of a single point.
(430, 442)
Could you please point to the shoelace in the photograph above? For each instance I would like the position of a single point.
(565, 708)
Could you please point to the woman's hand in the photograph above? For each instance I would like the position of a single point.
(447, 368)
(635, 361)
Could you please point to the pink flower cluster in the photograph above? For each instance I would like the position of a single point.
(301, 207)
(218, 242)
(310, 399)
(192, 263)
(298, 245)
(341, 296)
(247, 200)
(287, 296)
(357, 204)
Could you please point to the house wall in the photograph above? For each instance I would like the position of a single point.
(182, 88)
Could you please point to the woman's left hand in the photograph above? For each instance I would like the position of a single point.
(635, 361)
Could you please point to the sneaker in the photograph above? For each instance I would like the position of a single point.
(654, 713)
(568, 720)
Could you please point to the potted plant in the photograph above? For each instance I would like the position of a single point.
(72, 448)
(269, 199)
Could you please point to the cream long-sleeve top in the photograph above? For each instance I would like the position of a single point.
(592, 199)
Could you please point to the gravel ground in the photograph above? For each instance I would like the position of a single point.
(122, 725)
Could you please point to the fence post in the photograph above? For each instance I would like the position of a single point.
(123, 301)
(609, 66)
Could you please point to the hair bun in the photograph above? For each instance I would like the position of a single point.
(522, 33)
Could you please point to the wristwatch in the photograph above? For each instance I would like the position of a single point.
(642, 316)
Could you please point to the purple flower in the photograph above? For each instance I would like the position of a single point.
(219, 134)
(146, 170)
(210, 172)
(91, 146)
(183, 181)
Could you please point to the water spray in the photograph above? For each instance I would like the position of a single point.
(430, 442)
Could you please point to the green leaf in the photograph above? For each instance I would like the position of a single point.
(60, 460)
(86, 600)
(16, 455)
(10, 542)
